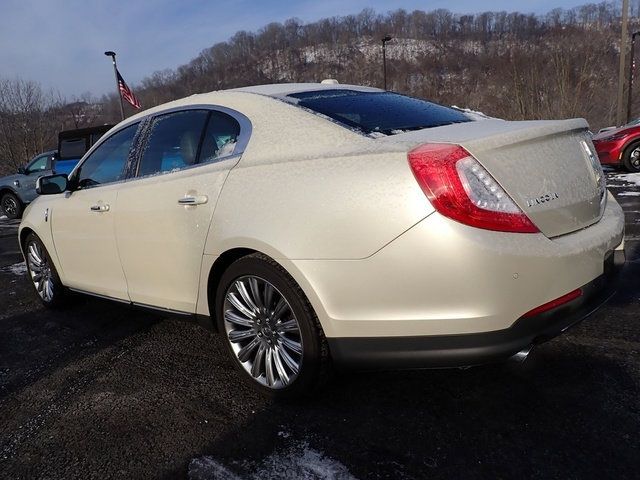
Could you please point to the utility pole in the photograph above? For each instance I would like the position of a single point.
(385, 39)
(115, 72)
(632, 64)
(623, 63)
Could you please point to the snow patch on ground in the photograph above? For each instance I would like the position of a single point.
(629, 194)
(298, 462)
(16, 268)
(629, 178)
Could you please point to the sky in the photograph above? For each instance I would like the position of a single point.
(60, 43)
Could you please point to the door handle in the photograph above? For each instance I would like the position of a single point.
(100, 208)
(193, 200)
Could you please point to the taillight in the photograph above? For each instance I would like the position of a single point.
(459, 187)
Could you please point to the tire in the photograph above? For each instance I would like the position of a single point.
(43, 274)
(283, 349)
(631, 158)
(11, 206)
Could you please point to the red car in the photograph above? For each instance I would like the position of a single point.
(620, 147)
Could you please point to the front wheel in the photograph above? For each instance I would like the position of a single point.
(631, 158)
(270, 329)
(42, 272)
(11, 206)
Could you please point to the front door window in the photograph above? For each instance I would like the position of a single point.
(106, 163)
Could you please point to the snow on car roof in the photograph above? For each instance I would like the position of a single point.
(278, 89)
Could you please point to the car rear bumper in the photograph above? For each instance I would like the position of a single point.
(442, 351)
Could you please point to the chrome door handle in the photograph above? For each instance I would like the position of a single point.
(99, 208)
(193, 200)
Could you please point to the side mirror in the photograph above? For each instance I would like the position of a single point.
(51, 184)
(22, 170)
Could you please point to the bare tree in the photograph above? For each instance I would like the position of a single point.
(26, 127)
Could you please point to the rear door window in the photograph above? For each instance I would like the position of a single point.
(385, 113)
(220, 138)
(173, 142)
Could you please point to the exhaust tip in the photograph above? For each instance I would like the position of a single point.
(522, 355)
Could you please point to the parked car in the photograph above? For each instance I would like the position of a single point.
(620, 147)
(18, 190)
(316, 224)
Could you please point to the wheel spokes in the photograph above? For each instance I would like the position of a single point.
(245, 352)
(240, 335)
(233, 317)
(271, 379)
(256, 368)
(282, 373)
(292, 345)
(263, 331)
(235, 301)
(40, 271)
(242, 290)
(291, 363)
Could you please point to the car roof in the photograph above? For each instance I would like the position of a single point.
(48, 152)
(279, 89)
(222, 97)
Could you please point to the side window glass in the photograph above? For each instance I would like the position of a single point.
(173, 142)
(38, 165)
(106, 163)
(73, 147)
(220, 137)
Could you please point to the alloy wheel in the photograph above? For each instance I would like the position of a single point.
(9, 206)
(635, 158)
(263, 331)
(40, 270)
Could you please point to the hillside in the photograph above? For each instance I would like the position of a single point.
(509, 65)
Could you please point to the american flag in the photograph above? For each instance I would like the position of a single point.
(126, 92)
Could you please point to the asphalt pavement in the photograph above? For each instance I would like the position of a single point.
(101, 390)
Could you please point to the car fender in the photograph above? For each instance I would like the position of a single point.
(37, 218)
(626, 144)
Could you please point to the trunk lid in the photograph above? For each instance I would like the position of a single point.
(545, 166)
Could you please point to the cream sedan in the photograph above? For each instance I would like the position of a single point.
(320, 224)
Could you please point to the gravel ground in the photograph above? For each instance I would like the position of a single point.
(101, 390)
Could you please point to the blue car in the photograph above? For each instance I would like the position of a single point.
(18, 190)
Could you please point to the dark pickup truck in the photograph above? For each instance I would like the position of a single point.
(18, 190)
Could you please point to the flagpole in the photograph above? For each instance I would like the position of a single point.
(115, 72)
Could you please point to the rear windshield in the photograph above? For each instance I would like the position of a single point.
(72, 148)
(377, 112)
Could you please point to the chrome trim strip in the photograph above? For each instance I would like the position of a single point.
(105, 297)
(128, 302)
(162, 309)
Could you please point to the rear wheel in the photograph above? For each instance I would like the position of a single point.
(631, 158)
(42, 272)
(11, 205)
(269, 328)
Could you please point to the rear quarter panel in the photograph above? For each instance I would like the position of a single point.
(308, 188)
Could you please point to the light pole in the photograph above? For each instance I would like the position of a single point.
(115, 72)
(632, 62)
(385, 39)
(623, 64)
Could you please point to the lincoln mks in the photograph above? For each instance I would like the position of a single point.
(315, 225)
